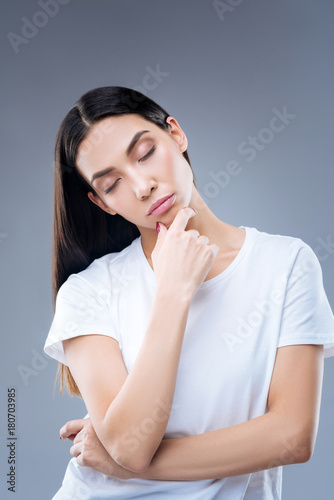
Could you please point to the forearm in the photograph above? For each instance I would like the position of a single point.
(261, 443)
(136, 420)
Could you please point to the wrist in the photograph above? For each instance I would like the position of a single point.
(173, 297)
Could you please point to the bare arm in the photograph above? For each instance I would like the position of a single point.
(284, 435)
(130, 412)
(131, 423)
(141, 409)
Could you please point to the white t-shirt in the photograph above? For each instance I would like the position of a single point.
(271, 295)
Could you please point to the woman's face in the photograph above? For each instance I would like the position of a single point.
(128, 180)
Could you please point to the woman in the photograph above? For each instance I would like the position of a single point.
(196, 346)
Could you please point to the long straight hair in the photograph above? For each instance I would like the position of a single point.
(82, 232)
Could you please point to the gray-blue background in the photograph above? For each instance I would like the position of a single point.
(223, 76)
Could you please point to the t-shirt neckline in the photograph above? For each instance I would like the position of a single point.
(205, 284)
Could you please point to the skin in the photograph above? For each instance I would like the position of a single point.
(284, 435)
(142, 182)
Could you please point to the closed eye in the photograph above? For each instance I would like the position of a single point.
(148, 154)
(141, 159)
(111, 187)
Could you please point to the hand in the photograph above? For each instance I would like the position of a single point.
(182, 259)
(89, 450)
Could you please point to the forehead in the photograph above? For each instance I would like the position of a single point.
(108, 139)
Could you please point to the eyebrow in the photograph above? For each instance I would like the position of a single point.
(130, 147)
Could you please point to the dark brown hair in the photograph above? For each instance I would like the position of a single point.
(82, 231)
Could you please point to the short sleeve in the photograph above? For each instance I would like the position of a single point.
(307, 317)
(80, 310)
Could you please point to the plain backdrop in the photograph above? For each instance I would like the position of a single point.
(223, 73)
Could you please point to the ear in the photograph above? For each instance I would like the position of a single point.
(97, 200)
(177, 133)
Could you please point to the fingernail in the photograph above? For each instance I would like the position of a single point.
(157, 227)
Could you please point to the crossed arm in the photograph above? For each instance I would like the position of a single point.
(286, 434)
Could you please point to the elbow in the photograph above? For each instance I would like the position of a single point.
(305, 449)
(126, 449)
(306, 441)
(130, 457)
(133, 463)
(298, 448)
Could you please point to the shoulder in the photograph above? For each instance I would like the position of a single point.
(280, 246)
(102, 275)
(283, 255)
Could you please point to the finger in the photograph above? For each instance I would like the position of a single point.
(203, 238)
(79, 437)
(76, 449)
(215, 249)
(194, 233)
(72, 427)
(71, 437)
(162, 231)
(181, 219)
(181, 222)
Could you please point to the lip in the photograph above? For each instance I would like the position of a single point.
(159, 202)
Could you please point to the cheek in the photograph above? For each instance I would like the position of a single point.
(170, 164)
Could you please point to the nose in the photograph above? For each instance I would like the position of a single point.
(143, 185)
(143, 192)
